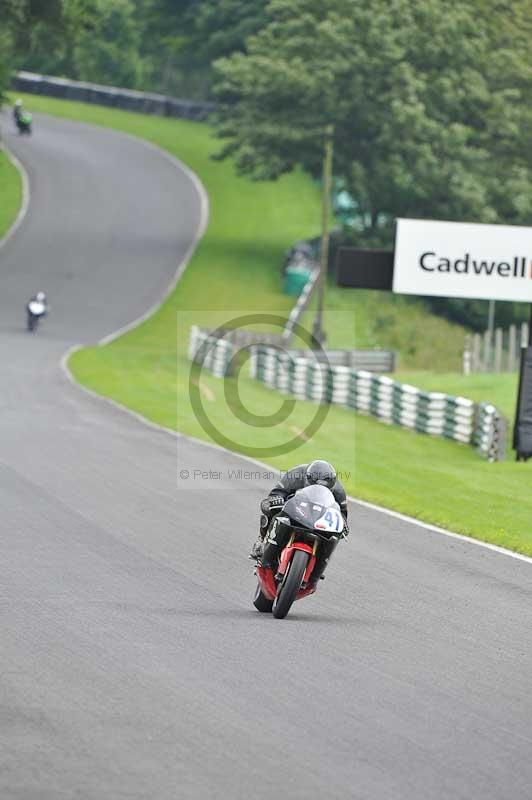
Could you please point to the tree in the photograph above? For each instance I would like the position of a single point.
(223, 27)
(279, 96)
(51, 45)
(108, 51)
(429, 111)
(17, 19)
(182, 37)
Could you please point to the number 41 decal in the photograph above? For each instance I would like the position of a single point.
(331, 521)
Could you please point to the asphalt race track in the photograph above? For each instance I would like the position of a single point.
(132, 664)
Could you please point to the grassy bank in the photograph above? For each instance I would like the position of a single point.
(10, 193)
(422, 340)
(500, 389)
(434, 480)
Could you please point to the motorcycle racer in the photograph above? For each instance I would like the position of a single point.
(36, 308)
(17, 110)
(267, 548)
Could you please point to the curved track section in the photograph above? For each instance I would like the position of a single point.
(132, 663)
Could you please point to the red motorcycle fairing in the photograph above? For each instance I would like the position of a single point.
(267, 582)
(286, 557)
(267, 578)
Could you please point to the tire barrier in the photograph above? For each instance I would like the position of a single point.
(490, 435)
(477, 424)
(125, 99)
(212, 353)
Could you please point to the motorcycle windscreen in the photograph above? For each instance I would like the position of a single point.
(309, 505)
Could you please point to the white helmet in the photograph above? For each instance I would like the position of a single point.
(40, 297)
(18, 102)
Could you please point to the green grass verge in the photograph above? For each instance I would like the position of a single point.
(499, 389)
(435, 480)
(10, 193)
(422, 340)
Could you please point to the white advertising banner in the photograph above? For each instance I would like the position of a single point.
(459, 259)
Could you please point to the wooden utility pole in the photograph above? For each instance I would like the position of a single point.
(317, 331)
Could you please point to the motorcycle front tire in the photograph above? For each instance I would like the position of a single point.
(290, 585)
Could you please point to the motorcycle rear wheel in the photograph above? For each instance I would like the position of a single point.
(260, 601)
(290, 585)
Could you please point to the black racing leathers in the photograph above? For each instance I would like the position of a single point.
(291, 482)
(294, 479)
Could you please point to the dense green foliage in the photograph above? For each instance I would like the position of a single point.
(18, 18)
(93, 40)
(181, 38)
(159, 45)
(474, 313)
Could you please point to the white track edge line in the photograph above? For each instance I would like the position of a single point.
(204, 205)
(26, 194)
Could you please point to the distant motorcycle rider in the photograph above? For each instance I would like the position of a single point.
(22, 118)
(39, 300)
(320, 473)
(17, 111)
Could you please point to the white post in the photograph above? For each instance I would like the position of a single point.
(487, 352)
(498, 349)
(476, 352)
(491, 319)
(466, 358)
(512, 340)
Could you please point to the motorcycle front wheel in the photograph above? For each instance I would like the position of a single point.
(290, 584)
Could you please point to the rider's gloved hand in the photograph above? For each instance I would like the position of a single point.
(272, 503)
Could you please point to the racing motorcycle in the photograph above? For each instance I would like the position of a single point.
(24, 121)
(36, 309)
(310, 521)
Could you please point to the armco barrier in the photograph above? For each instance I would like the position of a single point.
(476, 424)
(370, 360)
(236, 340)
(126, 99)
(301, 305)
